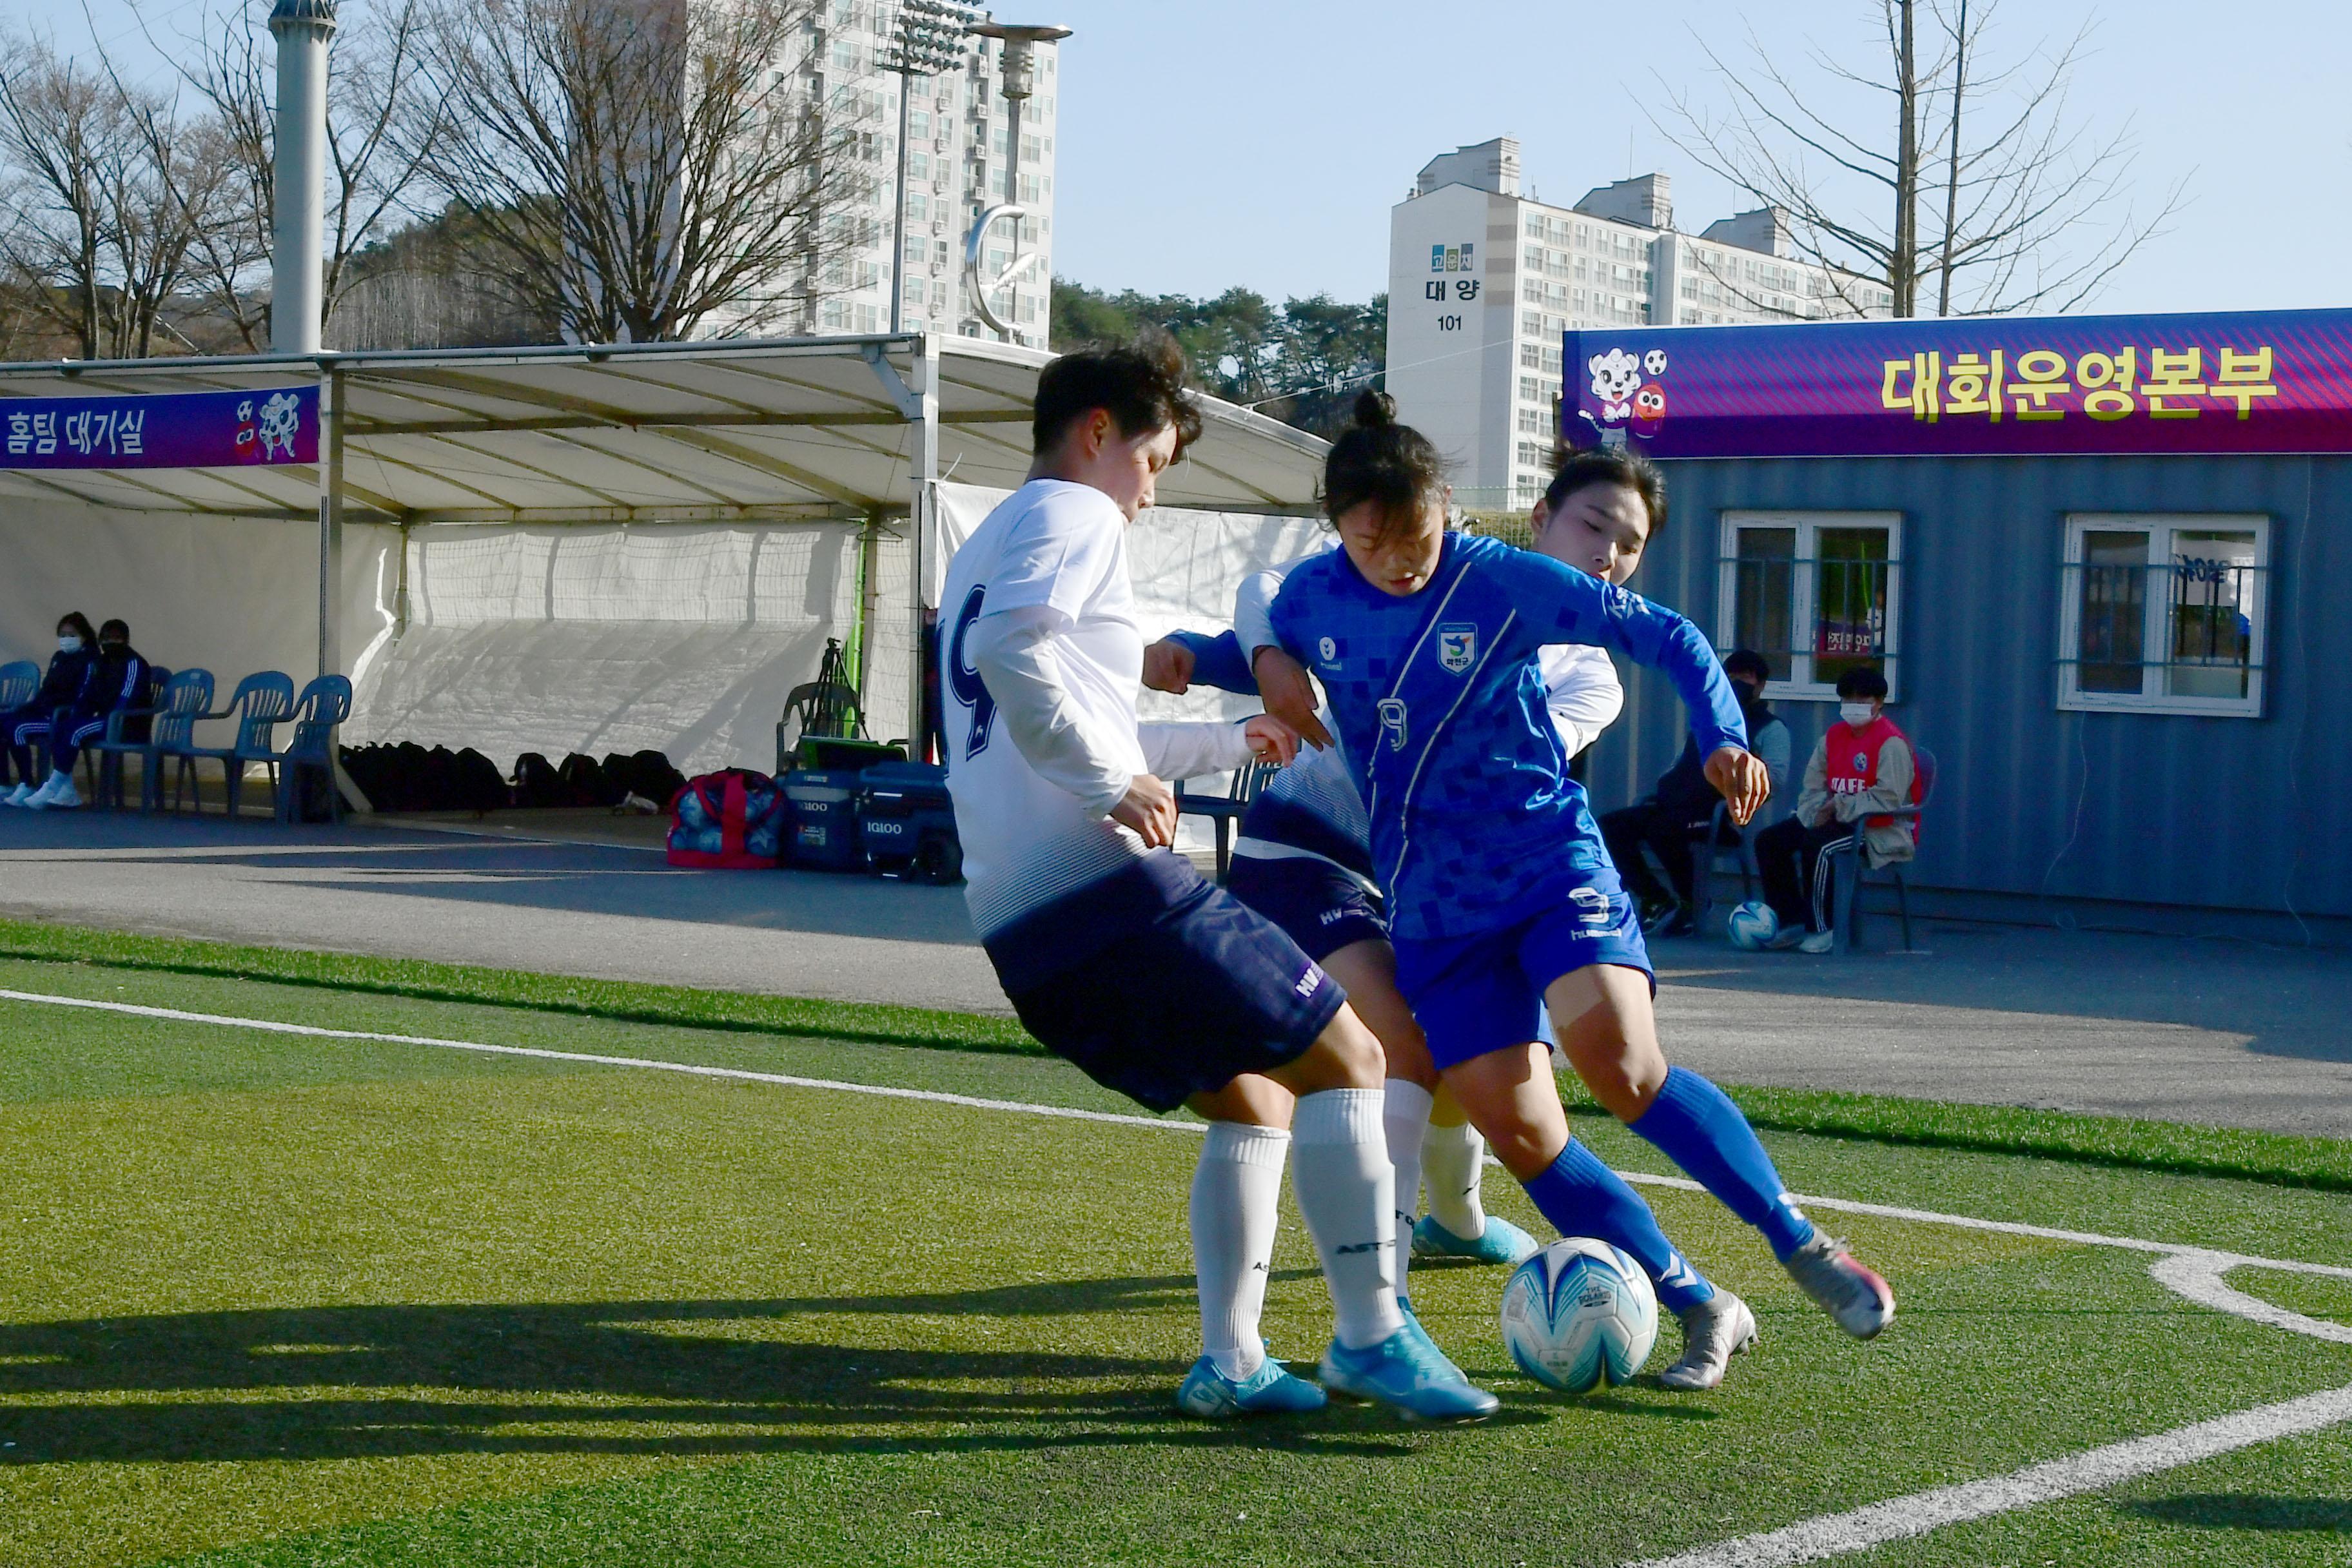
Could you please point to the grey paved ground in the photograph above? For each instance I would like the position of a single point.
(2178, 1029)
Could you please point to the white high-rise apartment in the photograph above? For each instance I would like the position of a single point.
(1483, 281)
(957, 148)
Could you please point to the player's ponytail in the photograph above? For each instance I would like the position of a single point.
(1376, 459)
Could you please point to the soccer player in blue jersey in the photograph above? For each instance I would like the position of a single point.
(1502, 901)
(1115, 953)
(1304, 860)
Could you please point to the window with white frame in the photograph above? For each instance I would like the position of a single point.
(2164, 614)
(1816, 593)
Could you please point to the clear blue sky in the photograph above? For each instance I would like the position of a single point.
(1205, 143)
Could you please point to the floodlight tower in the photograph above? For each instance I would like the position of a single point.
(299, 184)
(1019, 73)
(928, 38)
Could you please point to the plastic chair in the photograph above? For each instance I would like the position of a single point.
(1853, 866)
(825, 709)
(19, 679)
(262, 702)
(171, 727)
(318, 712)
(1226, 810)
(1711, 849)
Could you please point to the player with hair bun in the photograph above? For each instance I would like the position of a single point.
(1501, 899)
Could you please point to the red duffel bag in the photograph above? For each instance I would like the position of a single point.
(732, 820)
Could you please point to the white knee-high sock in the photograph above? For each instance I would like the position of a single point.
(1236, 1189)
(1405, 1119)
(1453, 1161)
(1346, 1190)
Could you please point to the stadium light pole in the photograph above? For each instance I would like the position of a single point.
(927, 38)
(1019, 75)
(299, 183)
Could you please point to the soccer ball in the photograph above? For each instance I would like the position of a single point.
(1752, 926)
(1577, 1314)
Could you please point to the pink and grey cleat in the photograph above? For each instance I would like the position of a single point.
(1856, 1299)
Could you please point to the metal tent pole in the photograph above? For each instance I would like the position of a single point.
(331, 522)
(923, 513)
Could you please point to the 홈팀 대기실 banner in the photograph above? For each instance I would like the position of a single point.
(2226, 382)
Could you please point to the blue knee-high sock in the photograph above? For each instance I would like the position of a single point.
(1582, 1196)
(1695, 1124)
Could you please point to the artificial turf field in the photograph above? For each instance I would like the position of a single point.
(275, 1299)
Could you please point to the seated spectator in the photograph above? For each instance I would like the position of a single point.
(116, 679)
(1683, 809)
(1863, 766)
(24, 728)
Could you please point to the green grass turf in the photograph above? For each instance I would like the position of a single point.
(2318, 1163)
(267, 1299)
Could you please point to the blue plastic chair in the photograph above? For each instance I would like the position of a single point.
(318, 712)
(19, 680)
(1855, 864)
(261, 703)
(1225, 811)
(171, 728)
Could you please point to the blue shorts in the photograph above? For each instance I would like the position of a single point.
(1318, 905)
(1182, 989)
(1484, 991)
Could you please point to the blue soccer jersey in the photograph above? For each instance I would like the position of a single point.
(1440, 707)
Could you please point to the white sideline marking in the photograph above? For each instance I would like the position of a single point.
(2194, 1272)
(316, 1032)
(2200, 1269)
(2093, 1470)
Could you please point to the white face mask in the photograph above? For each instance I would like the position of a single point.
(69, 644)
(1856, 713)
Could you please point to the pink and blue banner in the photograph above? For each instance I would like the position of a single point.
(169, 430)
(2228, 382)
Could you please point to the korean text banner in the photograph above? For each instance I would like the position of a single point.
(170, 430)
(2242, 382)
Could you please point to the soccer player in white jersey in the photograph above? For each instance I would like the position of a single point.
(1115, 951)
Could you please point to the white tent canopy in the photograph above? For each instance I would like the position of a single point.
(539, 538)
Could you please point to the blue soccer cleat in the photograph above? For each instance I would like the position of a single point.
(1408, 1371)
(1269, 1391)
(1500, 1242)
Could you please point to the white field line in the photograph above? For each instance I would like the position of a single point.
(2195, 1272)
(2206, 1260)
(2094, 1470)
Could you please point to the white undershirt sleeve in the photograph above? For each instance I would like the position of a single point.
(1014, 653)
(1254, 604)
(1188, 751)
(1584, 695)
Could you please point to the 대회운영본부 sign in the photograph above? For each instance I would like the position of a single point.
(168, 430)
(2235, 381)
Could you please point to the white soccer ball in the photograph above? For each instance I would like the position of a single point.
(1577, 1314)
(1752, 926)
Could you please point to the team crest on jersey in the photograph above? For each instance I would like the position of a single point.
(1457, 647)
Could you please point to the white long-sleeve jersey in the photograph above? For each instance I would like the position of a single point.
(1040, 664)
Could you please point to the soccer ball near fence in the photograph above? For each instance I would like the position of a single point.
(1577, 1314)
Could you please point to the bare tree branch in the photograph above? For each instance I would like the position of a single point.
(2035, 213)
(651, 169)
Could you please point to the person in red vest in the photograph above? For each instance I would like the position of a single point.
(1863, 766)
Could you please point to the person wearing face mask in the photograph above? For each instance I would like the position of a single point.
(24, 728)
(117, 677)
(1682, 808)
(1863, 767)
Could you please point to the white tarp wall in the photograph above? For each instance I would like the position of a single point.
(680, 639)
(234, 596)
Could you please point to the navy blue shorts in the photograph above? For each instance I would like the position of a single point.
(1484, 991)
(1318, 905)
(1183, 990)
